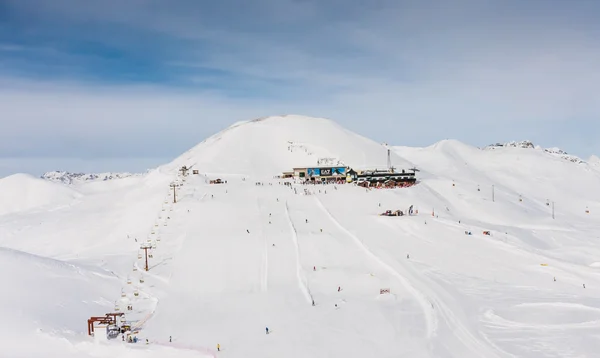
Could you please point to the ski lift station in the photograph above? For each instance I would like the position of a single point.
(364, 177)
(387, 177)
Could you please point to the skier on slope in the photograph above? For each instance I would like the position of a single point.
(267, 330)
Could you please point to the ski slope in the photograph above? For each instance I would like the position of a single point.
(232, 259)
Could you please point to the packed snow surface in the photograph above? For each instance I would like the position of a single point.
(232, 259)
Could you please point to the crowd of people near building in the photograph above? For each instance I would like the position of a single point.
(385, 185)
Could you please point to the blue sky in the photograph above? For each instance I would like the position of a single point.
(127, 85)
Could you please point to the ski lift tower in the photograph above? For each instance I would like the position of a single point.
(389, 158)
(174, 185)
(146, 246)
(185, 169)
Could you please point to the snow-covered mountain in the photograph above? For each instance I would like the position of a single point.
(285, 142)
(316, 265)
(526, 144)
(78, 178)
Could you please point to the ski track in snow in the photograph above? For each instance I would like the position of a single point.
(264, 283)
(301, 280)
(424, 302)
(453, 323)
(430, 303)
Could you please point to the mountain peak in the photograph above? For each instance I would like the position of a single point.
(269, 145)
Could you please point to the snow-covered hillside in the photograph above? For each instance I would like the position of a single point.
(232, 259)
(23, 192)
(78, 178)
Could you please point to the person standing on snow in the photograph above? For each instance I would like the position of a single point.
(267, 329)
(218, 347)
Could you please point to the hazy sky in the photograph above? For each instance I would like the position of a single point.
(126, 85)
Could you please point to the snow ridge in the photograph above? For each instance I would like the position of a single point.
(527, 144)
(78, 178)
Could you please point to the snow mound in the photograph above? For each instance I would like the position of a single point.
(77, 178)
(267, 146)
(23, 192)
(549, 314)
